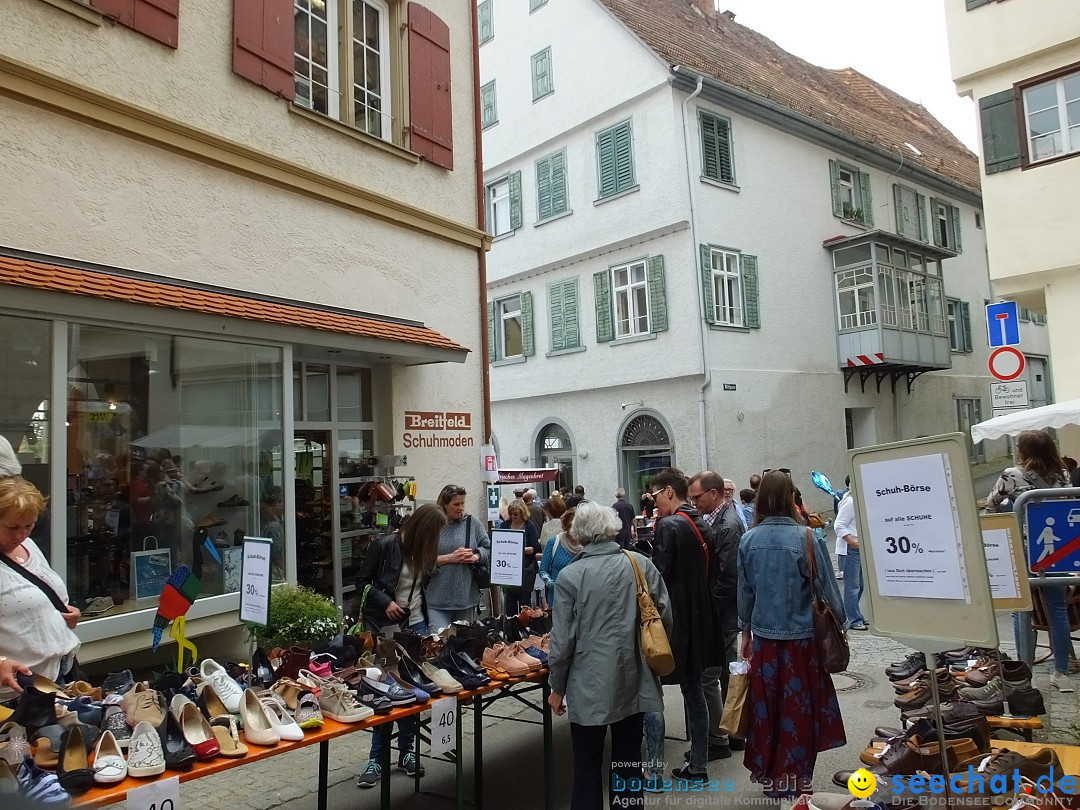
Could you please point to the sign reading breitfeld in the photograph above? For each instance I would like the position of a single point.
(430, 429)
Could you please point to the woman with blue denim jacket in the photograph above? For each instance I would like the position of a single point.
(794, 713)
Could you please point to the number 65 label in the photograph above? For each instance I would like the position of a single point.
(161, 795)
(444, 720)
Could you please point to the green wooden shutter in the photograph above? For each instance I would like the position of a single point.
(543, 188)
(710, 166)
(605, 163)
(965, 318)
(933, 221)
(920, 209)
(541, 74)
(487, 23)
(654, 271)
(834, 185)
(866, 199)
(750, 290)
(571, 322)
(556, 317)
(515, 200)
(1000, 132)
(898, 208)
(493, 349)
(605, 328)
(624, 157)
(489, 112)
(954, 218)
(560, 198)
(528, 345)
(708, 291)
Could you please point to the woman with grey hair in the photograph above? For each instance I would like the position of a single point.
(597, 670)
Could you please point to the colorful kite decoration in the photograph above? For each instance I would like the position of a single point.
(177, 597)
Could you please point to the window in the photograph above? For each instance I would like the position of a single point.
(727, 288)
(978, 220)
(910, 212)
(851, 198)
(498, 207)
(342, 62)
(959, 325)
(487, 21)
(855, 299)
(615, 159)
(542, 82)
(489, 111)
(717, 162)
(509, 325)
(945, 220)
(631, 300)
(563, 315)
(1052, 113)
(552, 197)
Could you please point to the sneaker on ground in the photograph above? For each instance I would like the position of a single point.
(689, 775)
(653, 782)
(409, 763)
(1062, 682)
(370, 776)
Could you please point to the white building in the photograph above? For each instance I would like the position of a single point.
(257, 268)
(1021, 64)
(709, 252)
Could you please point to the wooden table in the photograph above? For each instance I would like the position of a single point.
(1025, 725)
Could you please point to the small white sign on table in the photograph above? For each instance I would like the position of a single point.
(255, 581)
(507, 555)
(444, 721)
(1013, 394)
(163, 794)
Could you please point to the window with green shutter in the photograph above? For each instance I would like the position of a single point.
(542, 82)
(510, 327)
(958, 320)
(910, 208)
(487, 21)
(1000, 132)
(729, 284)
(851, 197)
(945, 224)
(717, 160)
(514, 186)
(489, 111)
(658, 320)
(552, 196)
(563, 319)
(602, 298)
(615, 159)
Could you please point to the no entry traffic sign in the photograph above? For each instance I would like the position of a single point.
(1006, 363)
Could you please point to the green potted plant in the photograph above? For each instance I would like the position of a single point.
(297, 616)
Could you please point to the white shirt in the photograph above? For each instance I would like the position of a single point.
(409, 595)
(845, 524)
(32, 630)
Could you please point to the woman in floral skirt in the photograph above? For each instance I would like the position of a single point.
(794, 713)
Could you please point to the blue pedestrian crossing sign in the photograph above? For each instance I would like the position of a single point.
(1053, 532)
(1002, 324)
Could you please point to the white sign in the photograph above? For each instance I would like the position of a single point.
(255, 581)
(493, 494)
(444, 720)
(912, 522)
(1000, 564)
(1009, 394)
(1006, 363)
(489, 465)
(507, 555)
(164, 794)
(1002, 411)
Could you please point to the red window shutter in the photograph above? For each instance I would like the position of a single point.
(431, 117)
(157, 19)
(263, 44)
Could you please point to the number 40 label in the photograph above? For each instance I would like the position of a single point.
(160, 795)
(444, 720)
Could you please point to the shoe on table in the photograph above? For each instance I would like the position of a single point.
(226, 688)
(1062, 682)
(409, 763)
(118, 683)
(370, 776)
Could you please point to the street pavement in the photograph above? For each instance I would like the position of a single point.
(513, 752)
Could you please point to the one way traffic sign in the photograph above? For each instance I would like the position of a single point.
(1002, 324)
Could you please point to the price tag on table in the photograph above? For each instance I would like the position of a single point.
(507, 556)
(163, 794)
(255, 581)
(444, 720)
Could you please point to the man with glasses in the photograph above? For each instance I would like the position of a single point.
(684, 557)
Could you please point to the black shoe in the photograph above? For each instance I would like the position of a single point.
(179, 755)
(396, 695)
(690, 776)
(118, 683)
(35, 709)
(1026, 702)
(409, 763)
(907, 668)
(262, 672)
(737, 744)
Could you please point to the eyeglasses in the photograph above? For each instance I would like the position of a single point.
(784, 470)
(660, 491)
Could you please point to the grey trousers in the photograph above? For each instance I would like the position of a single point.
(714, 685)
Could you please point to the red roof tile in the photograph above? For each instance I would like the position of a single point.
(42, 276)
(844, 100)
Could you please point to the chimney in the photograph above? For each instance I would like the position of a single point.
(728, 15)
(707, 8)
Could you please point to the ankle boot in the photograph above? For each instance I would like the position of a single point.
(35, 709)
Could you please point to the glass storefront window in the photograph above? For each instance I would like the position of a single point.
(174, 446)
(354, 395)
(317, 393)
(26, 370)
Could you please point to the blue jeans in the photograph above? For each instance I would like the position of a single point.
(653, 727)
(1058, 616)
(697, 712)
(406, 727)
(851, 565)
(438, 619)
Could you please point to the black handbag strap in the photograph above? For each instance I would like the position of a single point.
(57, 602)
(468, 530)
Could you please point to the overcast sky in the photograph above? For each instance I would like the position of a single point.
(899, 44)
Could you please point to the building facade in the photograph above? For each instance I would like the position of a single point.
(239, 286)
(1021, 64)
(710, 253)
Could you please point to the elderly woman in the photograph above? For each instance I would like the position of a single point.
(598, 671)
(452, 592)
(36, 621)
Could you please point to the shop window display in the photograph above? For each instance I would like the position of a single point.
(173, 456)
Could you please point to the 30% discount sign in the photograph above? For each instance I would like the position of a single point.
(902, 545)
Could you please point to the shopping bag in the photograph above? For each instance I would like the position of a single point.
(736, 717)
(150, 570)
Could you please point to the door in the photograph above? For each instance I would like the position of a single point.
(1038, 382)
(968, 413)
(315, 527)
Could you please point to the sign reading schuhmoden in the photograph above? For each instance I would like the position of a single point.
(437, 429)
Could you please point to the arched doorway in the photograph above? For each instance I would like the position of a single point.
(645, 448)
(554, 448)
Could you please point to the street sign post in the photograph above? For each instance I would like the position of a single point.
(1053, 530)
(1009, 394)
(1006, 363)
(1002, 324)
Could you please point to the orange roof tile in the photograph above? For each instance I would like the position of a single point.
(115, 287)
(844, 100)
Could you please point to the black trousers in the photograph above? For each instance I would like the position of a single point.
(624, 780)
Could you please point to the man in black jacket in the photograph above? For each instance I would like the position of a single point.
(683, 554)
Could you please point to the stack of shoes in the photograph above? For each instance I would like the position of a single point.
(1016, 682)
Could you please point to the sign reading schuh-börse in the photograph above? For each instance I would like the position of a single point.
(417, 423)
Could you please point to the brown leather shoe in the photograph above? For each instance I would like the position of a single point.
(958, 749)
(944, 679)
(922, 695)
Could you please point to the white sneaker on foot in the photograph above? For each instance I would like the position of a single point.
(1062, 682)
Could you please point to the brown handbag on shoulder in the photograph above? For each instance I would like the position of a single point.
(828, 629)
(654, 641)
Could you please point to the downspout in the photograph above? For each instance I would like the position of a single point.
(706, 366)
(481, 209)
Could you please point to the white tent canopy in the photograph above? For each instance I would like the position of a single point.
(1057, 415)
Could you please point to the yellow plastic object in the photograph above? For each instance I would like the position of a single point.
(182, 643)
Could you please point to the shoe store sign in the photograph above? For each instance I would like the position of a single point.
(433, 429)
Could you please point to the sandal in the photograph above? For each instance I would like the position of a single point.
(228, 736)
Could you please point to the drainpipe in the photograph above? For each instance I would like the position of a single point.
(706, 366)
(481, 213)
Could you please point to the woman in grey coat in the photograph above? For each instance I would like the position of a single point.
(598, 672)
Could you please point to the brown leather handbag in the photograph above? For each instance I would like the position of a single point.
(828, 628)
(655, 645)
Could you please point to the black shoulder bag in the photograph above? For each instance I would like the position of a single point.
(57, 602)
(480, 570)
